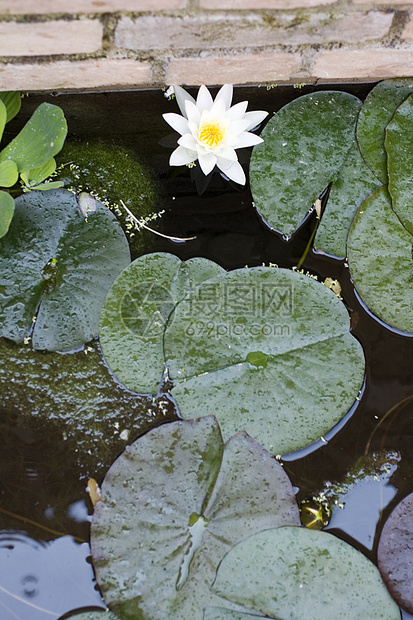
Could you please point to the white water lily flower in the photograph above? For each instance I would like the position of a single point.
(212, 130)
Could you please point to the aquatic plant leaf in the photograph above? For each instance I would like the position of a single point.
(172, 505)
(12, 100)
(284, 572)
(380, 261)
(57, 266)
(136, 311)
(376, 113)
(354, 183)
(305, 145)
(8, 173)
(395, 553)
(398, 146)
(3, 118)
(34, 176)
(39, 140)
(6, 212)
(267, 351)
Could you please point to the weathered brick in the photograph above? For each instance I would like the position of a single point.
(75, 75)
(151, 32)
(366, 64)
(41, 7)
(261, 4)
(242, 69)
(408, 31)
(46, 38)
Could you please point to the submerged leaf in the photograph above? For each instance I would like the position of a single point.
(172, 505)
(285, 572)
(57, 266)
(305, 145)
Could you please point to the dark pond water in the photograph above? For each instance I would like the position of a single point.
(44, 509)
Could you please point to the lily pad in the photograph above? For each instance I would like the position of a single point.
(58, 266)
(305, 145)
(94, 615)
(398, 145)
(267, 351)
(285, 572)
(172, 505)
(351, 187)
(380, 260)
(376, 113)
(137, 309)
(395, 553)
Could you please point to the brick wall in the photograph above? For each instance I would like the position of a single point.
(120, 44)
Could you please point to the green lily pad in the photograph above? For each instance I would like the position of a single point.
(380, 261)
(137, 310)
(351, 187)
(12, 100)
(376, 113)
(172, 505)
(305, 145)
(39, 140)
(218, 613)
(395, 553)
(285, 572)
(57, 266)
(6, 212)
(398, 144)
(267, 351)
(94, 615)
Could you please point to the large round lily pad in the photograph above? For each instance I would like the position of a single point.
(137, 310)
(305, 145)
(380, 260)
(395, 553)
(285, 572)
(57, 266)
(267, 351)
(172, 505)
(376, 113)
(398, 145)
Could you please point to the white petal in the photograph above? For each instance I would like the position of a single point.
(235, 173)
(182, 156)
(207, 162)
(237, 127)
(204, 99)
(177, 122)
(255, 118)
(218, 110)
(245, 139)
(188, 141)
(237, 111)
(182, 96)
(227, 153)
(225, 93)
(192, 112)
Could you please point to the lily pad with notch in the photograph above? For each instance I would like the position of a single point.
(305, 145)
(172, 505)
(267, 351)
(137, 309)
(56, 267)
(284, 572)
(376, 113)
(380, 261)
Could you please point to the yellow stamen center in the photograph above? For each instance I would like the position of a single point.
(211, 134)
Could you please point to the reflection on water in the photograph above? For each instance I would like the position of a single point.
(41, 580)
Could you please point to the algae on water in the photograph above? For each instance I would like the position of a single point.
(114, 175)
